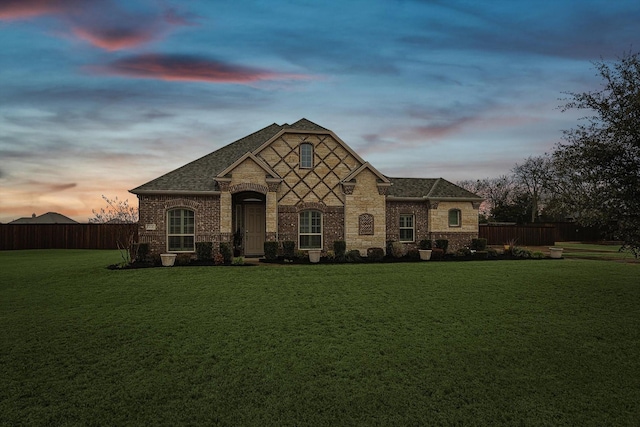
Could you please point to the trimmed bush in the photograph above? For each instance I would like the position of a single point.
(395, 249)
(538, 255)
(238, 261)
(462, 252)
(204, 250)
(289, 249)
(142, 252)
(424, 244)
(442, 244)
(437, 254)
(375, 254)
(183, 259)
(227, 252)
(271, 251)
(339, 248)
(492, 253)
(479, 244)
(353, 256)
(413, 254)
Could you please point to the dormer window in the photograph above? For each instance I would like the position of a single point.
(306, 156)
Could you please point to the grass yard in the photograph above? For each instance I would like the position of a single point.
(548, 342)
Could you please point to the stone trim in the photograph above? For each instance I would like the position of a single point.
(182, 203)
(248, 186)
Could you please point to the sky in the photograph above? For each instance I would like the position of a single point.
(100, 96)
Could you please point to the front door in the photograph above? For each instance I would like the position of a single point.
(254, 226)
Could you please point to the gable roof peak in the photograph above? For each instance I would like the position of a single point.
(304, 124)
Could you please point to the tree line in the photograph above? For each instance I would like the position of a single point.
(593, 175)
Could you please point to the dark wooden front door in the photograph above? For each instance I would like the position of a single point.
(254, 229)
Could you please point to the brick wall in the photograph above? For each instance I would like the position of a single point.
(332, 221)
(418, 209)
(153, 214)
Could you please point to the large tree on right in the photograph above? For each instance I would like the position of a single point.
(597, 167)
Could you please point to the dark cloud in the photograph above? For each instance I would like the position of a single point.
(103, 24)
(189, 68)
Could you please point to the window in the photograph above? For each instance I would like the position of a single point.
(406, 228)
(306, 156)
(181, 230)
(454, 218)
(310, 230)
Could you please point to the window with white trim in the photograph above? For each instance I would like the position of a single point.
(407, 228)
(306, 156)
(455, 218)
(310, 230)
(181, 230)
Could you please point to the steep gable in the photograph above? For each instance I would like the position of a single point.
(198, 175)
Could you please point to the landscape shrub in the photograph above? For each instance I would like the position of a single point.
(425, 244)
(375, 254)
(442, 244)
(481, 255)
(288, 249)
(227, 252)
(218, 259)
(479, 244)
(339, 248)
(301, 255)
(492, 253)
(437, 254)
(395, 249)
(238, 261)
(353, 256)
(413, 254)
(204, 250)
(462, 252)
(183, 259)
(271, 251)
(523, 253)
(538, 255)
(142, 251)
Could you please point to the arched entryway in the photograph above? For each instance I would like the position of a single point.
(249, 223)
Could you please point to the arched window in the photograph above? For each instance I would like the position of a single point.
(306, 156)
(181, 230)
(455, 218)
(310, 230)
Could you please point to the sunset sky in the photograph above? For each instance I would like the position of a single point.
(100, 96)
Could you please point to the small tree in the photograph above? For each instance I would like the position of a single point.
(120, 212)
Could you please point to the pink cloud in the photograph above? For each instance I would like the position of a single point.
(189, 68)
(114, 38)
(22, 9)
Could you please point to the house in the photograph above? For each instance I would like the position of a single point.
(298, 183)
(48, 218)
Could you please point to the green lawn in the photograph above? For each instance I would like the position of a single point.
(545, 342)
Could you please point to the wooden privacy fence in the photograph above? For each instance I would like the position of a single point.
(64, 236)
(538, 234)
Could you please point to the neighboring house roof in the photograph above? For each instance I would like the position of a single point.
(198, 176)
(48, 218)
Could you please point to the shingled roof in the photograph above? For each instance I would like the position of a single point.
(197, 176)
(430, 188)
